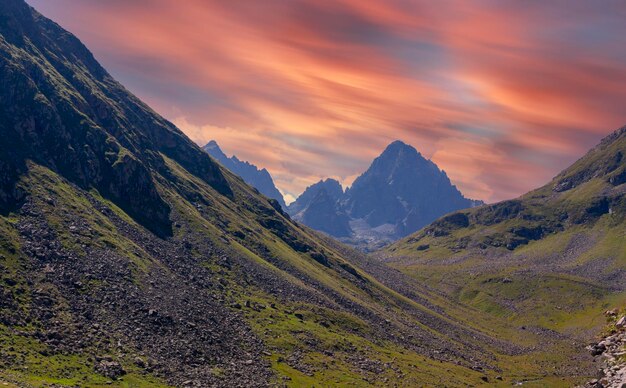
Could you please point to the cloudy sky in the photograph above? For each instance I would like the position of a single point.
(501, 95)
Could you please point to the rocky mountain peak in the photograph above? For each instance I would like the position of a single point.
(322, 212)
(332, 188)
(250, 173)
(399, 193)
(401, 155)
(215, 151)
(397, 147)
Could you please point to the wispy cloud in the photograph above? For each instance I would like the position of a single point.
(502, 95)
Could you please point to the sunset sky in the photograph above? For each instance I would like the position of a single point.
(501, 95)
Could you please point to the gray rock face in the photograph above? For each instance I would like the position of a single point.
(403, 189)
(610, 351)
(400, 193)
(322, 213)
(251, 174)
(331, 186)
(318, 208)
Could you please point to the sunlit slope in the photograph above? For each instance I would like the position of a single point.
(573, 225)
(550, 261)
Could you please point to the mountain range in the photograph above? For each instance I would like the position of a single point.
(400, 193)
(130, 257)
(259, 179)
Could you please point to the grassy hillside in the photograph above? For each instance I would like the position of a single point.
(85, 283)
(74, 263)
(552, 260)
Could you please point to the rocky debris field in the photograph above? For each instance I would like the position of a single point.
(612, 351)
(161, 307)
(174, 328)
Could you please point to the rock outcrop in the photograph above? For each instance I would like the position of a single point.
(612, 352)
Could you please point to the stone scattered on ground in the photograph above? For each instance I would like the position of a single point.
(612, 351)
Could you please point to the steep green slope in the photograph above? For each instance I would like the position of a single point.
(551, 260)
(129, 257)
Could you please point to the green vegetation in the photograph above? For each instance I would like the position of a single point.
(550, 260)
(318, 346)
(28, 361)
(323, 345)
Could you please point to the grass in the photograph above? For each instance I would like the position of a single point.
(322, 330)
(217, 219)
(29, 362)
(533, 286)
(331, 342)
(12, 278)
(99, 231)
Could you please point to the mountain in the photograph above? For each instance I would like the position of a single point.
(331, 186)
(403, 189)
(398, 194)
(322, 214)
(129, 257)
(551, 260)
(318, 208)
(259, 179)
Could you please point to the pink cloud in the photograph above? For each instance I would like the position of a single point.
(502, 95)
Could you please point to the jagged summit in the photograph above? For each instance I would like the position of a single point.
(401, 183)
(215, 149)
(251, 174)
(398, 146)
(331, 186)
(399, 193)
(322, 213)
(318, 208)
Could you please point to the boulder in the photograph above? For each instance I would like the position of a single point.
(598, 349)
(110, 369)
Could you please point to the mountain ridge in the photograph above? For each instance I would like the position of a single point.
(330, 185)
(399, 193)
(251, 174)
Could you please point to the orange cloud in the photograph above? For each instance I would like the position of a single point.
(502, 95)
